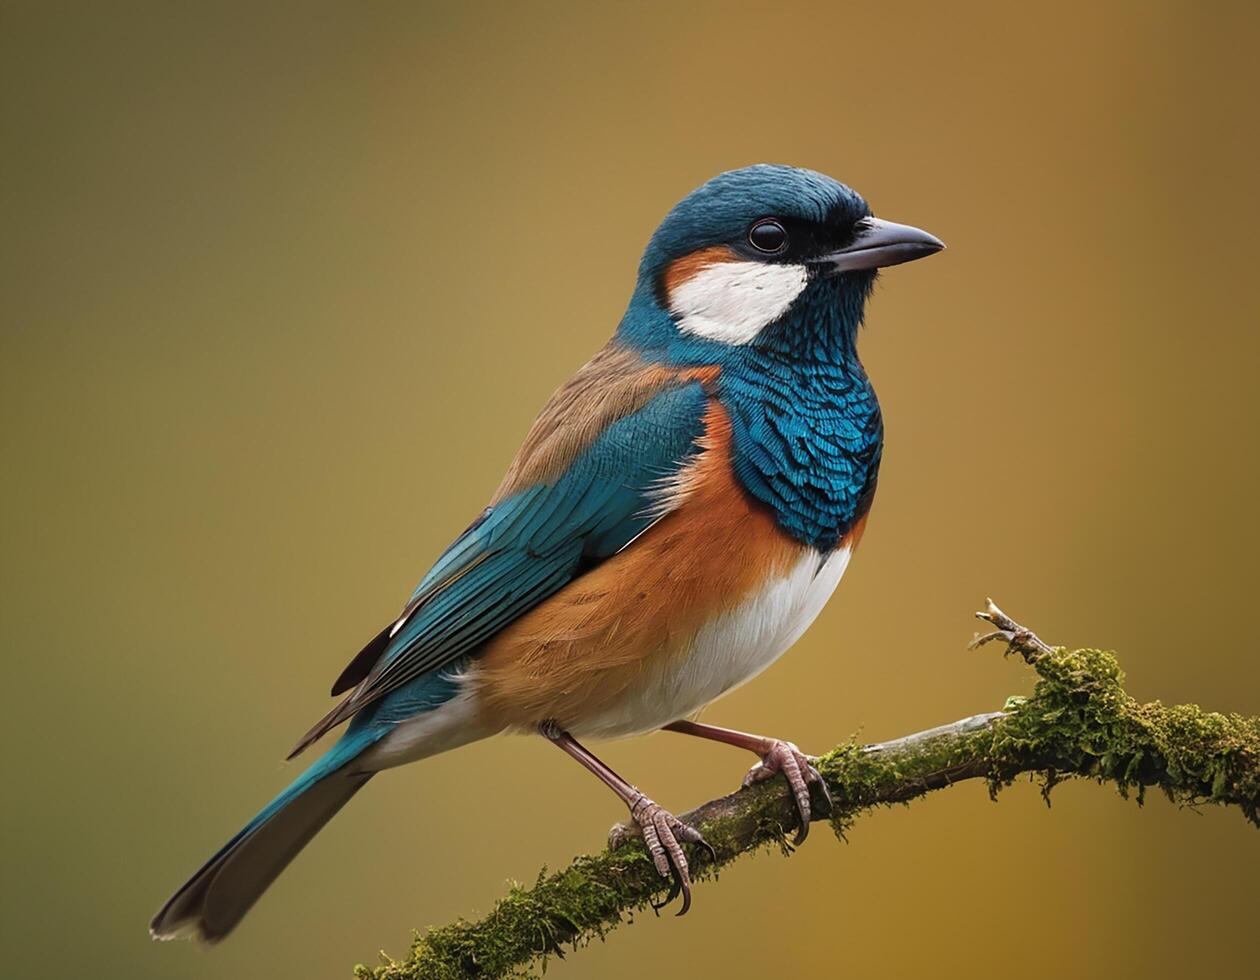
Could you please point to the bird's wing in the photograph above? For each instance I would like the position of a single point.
(586, 482)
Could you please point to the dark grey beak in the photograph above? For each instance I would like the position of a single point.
(881, 244)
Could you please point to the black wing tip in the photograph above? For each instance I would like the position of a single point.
(363, 662)
(340, 713)
(305, 742)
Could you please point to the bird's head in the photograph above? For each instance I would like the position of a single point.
(766, 254)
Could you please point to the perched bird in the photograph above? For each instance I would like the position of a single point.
(676, 518)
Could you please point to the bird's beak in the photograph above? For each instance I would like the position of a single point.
(882, 243)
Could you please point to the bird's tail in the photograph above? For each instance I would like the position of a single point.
(214, 900)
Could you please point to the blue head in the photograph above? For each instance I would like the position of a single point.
(769, 257)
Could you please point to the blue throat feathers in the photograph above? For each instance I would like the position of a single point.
(806, 426)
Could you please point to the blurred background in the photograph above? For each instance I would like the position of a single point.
(283, 286)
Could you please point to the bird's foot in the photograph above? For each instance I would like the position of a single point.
(797, 768)
(663, 835)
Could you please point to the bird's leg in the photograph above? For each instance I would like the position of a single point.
(777, 756)
(663, 833)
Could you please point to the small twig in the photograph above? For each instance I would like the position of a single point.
(1018, 638)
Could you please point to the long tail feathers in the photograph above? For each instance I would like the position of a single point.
(214, 900)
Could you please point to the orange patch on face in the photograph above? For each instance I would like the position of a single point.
(579, 651)
(684, 269)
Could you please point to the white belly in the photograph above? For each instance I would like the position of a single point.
(727, 651)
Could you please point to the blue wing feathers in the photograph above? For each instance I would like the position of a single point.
(538, 535)
(532, 543)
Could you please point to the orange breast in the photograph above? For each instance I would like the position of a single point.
(582, 649)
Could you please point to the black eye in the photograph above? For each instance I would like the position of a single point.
(768, 236)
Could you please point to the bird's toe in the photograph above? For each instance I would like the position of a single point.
(663, 836)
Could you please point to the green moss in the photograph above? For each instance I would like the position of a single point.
(1079, 722)
(573, 906)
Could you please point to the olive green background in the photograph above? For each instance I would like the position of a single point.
(282, 288)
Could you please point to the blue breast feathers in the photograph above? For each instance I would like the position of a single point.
(807, 440)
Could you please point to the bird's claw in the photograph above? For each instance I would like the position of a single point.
(798, 769)
(663, 835)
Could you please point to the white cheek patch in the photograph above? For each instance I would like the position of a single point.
(733, 301)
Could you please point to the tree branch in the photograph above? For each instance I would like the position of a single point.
(1079, 722)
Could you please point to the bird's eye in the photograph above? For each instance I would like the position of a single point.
(768, 236)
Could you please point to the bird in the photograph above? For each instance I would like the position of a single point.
(675, 519)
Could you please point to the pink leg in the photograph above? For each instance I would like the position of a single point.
(777, 756)
(663, 833)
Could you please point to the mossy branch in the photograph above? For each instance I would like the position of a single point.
(1079, 722)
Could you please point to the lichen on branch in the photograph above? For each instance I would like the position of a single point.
(1078, 723)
